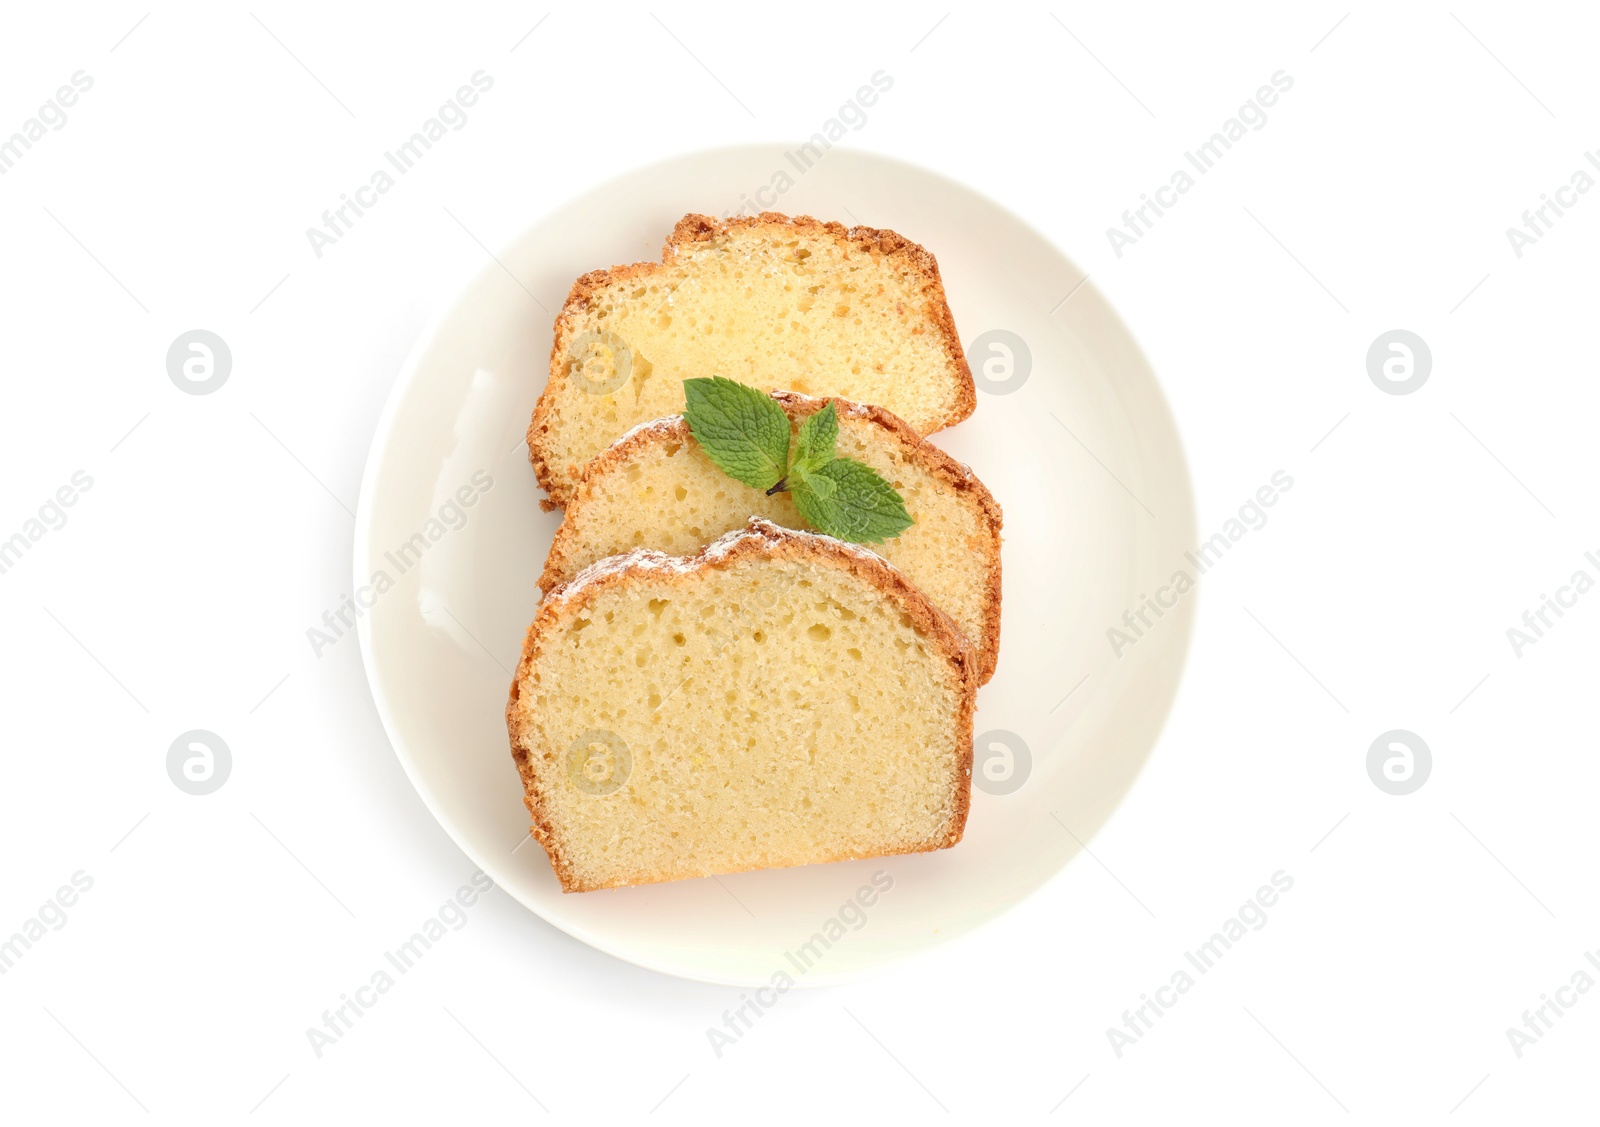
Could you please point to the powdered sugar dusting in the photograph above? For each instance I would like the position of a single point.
(775, 533)
(640, 559)
(664, 425)
(644, 561)
(842, 406)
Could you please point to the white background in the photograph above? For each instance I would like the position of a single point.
(218, 528)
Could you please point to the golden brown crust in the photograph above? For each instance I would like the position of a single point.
(558, 567)
(557, 481)
(763, 539)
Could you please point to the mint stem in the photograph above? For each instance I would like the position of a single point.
(781, 487)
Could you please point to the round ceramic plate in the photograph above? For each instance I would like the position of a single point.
(1071, 434)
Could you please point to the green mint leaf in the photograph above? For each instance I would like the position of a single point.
(849, 500)
(802, 479)
(746, 435)
(814, 448)
(815, 510)
(741, 430)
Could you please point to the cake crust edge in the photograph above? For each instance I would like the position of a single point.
(558, 481)
(558, 568)
(758, 539)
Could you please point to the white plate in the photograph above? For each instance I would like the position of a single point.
(1094, 517)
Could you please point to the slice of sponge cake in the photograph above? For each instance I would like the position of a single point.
(781, 698)
(655, 488)
(772, 302)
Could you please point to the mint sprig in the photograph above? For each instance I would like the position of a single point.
(849, 500)
(746, 435)
(814, 445)
(743, 431)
